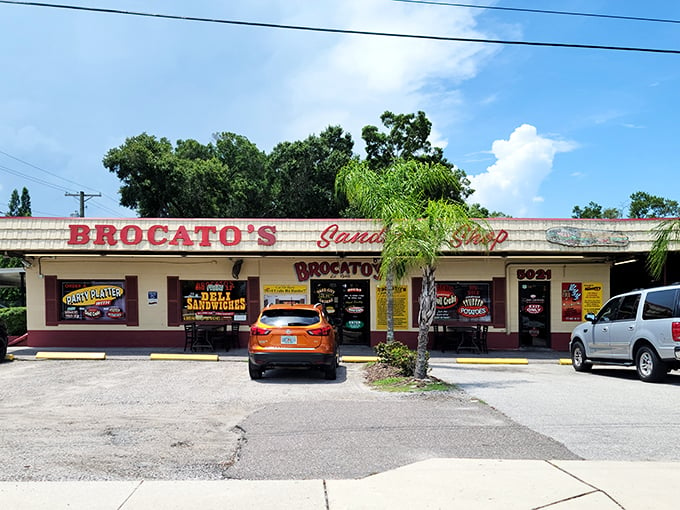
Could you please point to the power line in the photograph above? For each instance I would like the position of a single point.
(345, 31)
(542, 11)
(40, 181)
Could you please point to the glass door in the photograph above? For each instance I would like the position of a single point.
(534, 314)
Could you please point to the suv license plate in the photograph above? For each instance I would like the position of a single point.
(289, 339)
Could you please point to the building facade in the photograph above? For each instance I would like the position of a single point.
(135, 282)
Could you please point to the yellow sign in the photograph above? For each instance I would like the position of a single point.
(285, 289)
(97, 295)
(592, 297)
(400, 307)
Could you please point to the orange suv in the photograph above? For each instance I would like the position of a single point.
(292, 336)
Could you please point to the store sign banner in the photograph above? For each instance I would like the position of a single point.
(92, 300)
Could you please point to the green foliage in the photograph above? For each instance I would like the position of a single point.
(644, 205)
(303, 175)
(594, 210)
(408, 139)
(398, 355)
(14, 319)
(19, 206)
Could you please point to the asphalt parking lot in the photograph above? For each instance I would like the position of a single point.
(604, 415)
(128, 418)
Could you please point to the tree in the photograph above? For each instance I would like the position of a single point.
(304, 173)
(19, 206)
(408, 139)
(418, 242)
(644, 205)
(594, 210)
(477, 211)
(148, 169)
(388, 196)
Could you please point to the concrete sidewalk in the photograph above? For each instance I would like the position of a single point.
(348, 353)
(430, 484)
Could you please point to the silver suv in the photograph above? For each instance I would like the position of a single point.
(640, 328)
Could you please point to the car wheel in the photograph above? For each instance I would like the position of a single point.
(254, 371)
(650, 368)
(331, 371)
(578, 358)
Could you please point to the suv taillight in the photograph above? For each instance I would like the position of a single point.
(325, 331)
(675, 330)
(255, 331)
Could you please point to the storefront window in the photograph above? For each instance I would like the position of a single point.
(213, 300)
(463, 302)
(92, 300)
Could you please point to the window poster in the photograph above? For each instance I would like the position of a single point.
(93, 300)
(285, 294)
(572, 301)
(592, 298)
(400, 307)
(212, 300)
(463, 302)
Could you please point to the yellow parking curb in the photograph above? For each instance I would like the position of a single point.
(190, 357)
(71, 355)
(359, 359)
(565, 361)
(493, 361)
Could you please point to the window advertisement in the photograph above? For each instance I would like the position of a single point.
(463, 302)
(93, 300)
(572, 300)
(592, 298)
(284, 294)
(400, 307)
(212, 300)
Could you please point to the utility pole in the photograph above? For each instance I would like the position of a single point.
(84, 197)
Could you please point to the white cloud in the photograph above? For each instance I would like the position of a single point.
(512, 184)
(357, 77)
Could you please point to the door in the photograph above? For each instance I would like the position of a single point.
(534, 314)
(622, 330)
(347, 304)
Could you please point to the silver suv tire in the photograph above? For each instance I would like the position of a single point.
(649, 366)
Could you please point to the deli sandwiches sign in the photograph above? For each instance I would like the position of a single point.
(333, 237)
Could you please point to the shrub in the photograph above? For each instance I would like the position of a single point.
(397, 355)
(15, 319)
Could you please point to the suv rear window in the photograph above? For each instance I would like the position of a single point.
(659, 304)
(282, 318)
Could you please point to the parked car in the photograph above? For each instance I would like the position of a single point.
(3, 341)
(640, 328)
(298, 335)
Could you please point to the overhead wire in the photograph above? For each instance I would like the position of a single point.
(542, 11)
(48, 184)
(344, 31)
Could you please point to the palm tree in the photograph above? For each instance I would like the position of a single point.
(398, 192)
(667, 232)
(419, 242)
(417, 227)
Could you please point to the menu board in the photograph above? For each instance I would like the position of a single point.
(400, 298)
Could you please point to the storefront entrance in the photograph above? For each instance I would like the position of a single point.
(534, 314)
(347, 303)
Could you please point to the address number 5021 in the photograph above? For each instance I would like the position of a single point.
(534, 274)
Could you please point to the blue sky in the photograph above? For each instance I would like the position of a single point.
(538, 130)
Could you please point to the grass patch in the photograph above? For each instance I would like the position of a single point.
(410, 385)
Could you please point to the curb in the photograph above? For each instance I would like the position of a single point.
(190, 357)
(71, 355)
(493, 361)
(359, 359)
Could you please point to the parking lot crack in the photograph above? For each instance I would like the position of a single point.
(595, 489)
(236, 454)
